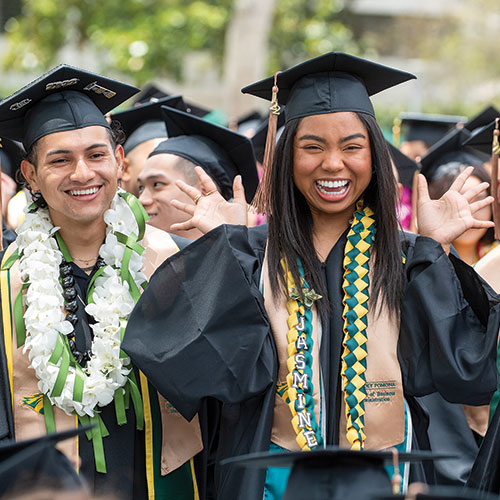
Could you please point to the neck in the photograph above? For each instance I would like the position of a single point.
(327, 229)
(83, 240)
(467, 251)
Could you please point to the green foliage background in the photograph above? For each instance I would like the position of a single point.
(148, 38)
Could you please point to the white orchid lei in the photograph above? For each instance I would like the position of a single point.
(61, 379)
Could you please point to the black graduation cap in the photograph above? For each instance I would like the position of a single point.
(486, 116)
(144, 122)
(249, 121)
(11, 154)
(481, 139)
(36, 463)
(65, 98)
(149, 93)
(332, 473)
(152, 93)
(450, 149)
(329, 83)
(220, 151)
(260, 136)
(428, 128)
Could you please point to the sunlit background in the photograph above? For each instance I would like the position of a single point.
(208, 50)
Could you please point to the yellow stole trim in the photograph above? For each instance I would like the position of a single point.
(7, 320)
(148, 433)
(195, 483)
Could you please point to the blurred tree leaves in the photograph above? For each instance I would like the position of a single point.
(148, 38)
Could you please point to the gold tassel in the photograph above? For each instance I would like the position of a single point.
(396, 132)
(262, 200)
(495, 152)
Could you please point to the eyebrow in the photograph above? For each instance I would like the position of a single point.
(152, 177)
(359, 135)
(311, 137)
(67, 151)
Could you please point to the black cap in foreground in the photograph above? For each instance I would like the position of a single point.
(36, 464)
(428, 128)
(405, 166)
(220, 151)
(65, 98)
(144, 122)
(329, 83)
(332, 473)
(450, 149)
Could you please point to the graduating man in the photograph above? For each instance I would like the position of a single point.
(68, 285)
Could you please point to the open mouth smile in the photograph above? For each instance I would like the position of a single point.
(84, 192)
(332, 189)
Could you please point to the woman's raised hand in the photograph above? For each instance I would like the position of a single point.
(210, 209)
(444, 220)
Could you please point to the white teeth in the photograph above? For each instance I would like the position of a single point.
(332, 184)
(81, 192)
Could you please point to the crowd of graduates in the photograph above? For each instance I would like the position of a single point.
(296, 307)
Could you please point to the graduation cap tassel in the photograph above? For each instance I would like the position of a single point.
(262, 200)
(495, 152)
(396, 132)
(396, 476)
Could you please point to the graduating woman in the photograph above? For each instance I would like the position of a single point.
(321, 327)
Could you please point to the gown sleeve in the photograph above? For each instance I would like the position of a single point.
(449, 327)
(200, 329)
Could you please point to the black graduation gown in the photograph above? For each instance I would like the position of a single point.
(201, 331)
(124, 448)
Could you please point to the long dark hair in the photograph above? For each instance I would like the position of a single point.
(291, 224)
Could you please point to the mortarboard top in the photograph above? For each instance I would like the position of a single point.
(149, 93)
(329, 83)
(65, 98)
(145, 121)
(36, 463)
(220, 151)
(332, 472)
(450, 149)
(405, 166)
(428, 128)
(486, 116)
(481, 139)
(260, 136)
(152, 93)
(11, 154)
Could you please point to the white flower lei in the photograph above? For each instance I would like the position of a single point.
(44, 308)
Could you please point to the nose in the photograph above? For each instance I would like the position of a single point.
(82, 173)
(332, 161)
(145, 198)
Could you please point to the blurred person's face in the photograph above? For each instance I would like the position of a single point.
(157, 189)
(133, 163)
(414, 149)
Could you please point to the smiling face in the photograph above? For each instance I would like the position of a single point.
(76, 173)
(157, 189)
(332, 164)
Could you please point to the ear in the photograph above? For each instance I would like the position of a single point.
(400, 190)
(126, 170)
(29, 172)
(121, 161)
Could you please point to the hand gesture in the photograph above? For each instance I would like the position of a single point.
(444, 220)
(210, 209)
